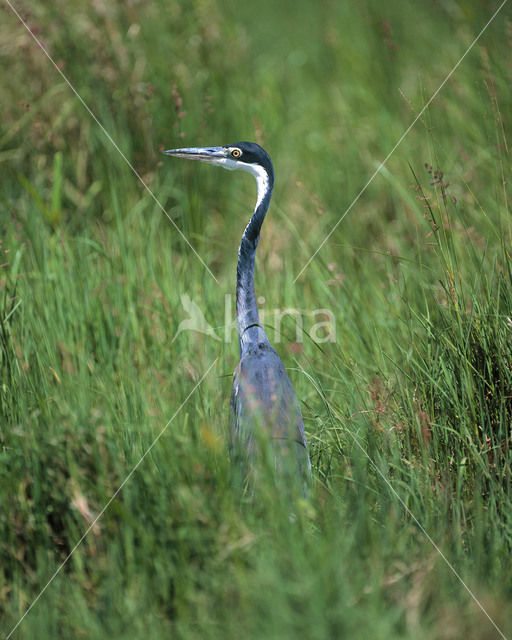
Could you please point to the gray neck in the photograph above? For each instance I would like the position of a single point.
(249, 331)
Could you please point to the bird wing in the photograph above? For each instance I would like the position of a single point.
(263, 399)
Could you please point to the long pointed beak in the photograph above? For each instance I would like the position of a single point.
(206, 154)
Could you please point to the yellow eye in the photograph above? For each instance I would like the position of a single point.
(236, 153)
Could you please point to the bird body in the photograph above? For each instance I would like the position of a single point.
(264, 413)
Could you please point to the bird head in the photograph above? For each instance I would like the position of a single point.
(243, 156)
(231, 156)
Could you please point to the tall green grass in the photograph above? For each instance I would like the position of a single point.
(408, 414)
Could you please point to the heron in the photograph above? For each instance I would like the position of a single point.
(264, 407)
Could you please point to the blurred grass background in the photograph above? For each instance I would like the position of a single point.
(411, 406)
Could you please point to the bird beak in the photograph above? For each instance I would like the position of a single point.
(206, 154)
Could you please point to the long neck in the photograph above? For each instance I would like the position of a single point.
(247, 316)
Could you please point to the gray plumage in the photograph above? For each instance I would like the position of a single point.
(263, 399)
(265, 415)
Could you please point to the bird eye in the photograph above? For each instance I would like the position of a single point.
(235, 153)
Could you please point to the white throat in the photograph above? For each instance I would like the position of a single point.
(258, 172)
(261, 177)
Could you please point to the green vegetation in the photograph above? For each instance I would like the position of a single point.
(408, 413)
